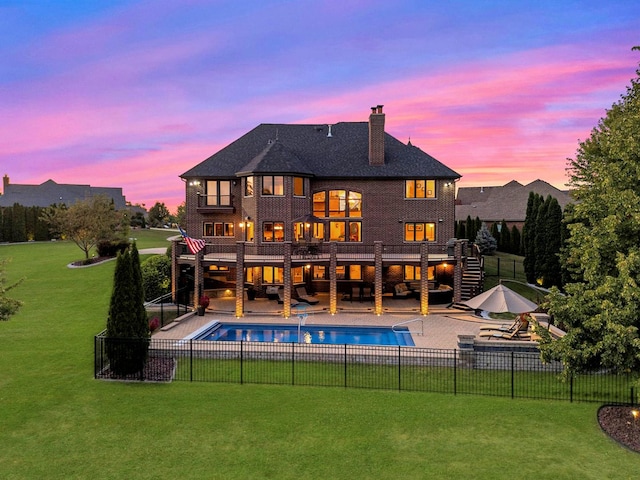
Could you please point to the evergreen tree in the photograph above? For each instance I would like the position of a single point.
(127, 328)
(516, 241)
(540, 239)
(505, 238)
(470, 228)
(529, 236)
(551, 273)
(495, 233)
(460, 229)
(485, 241)
(601, 305)
(19, 230)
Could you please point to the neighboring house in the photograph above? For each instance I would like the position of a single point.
(508, 202)
(321, 206)
(50, 193)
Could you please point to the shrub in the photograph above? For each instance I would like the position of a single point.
(156, 276)
(108, 248)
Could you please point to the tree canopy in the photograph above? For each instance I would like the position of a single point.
(88, 222)
(601, 305)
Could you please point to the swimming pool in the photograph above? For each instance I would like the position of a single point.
(314, 334)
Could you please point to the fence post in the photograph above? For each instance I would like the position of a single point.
(399, 369)
(633, 397)
(293, 363)
(345, 365)
(571, 388)
(512, 376)
(241, 362)
(455, 372)
(191, 360)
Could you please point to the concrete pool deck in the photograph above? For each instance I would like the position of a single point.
(440, 328)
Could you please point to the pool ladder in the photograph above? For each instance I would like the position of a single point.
(421, 332)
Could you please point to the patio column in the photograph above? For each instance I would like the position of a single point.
(286, 305)
(239, 279)
(424, 278)
(377, 284)
(197, 277)
(333, 278)
(174, 271)
(457, 272)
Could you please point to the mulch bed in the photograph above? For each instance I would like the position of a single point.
(618, 422)
(157, 369)
(90, 261)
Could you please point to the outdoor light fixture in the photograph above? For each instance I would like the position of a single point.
(194, 183)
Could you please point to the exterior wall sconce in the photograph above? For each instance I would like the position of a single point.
(194, 183)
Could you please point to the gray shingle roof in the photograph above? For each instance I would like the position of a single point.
(509, 202)
(308, 150)
(50, 192)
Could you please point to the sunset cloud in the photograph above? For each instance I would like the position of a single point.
(132, 94)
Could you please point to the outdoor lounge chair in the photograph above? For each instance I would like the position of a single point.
(401, 291)
(303, 296)
(505, 327)
(281, 299)
(520, 324)
(515, 335)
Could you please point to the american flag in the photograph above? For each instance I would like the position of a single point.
(194, 244)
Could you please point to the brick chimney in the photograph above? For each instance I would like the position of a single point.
(5, 182)
(376, 136)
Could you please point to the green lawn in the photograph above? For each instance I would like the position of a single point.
(56, 421)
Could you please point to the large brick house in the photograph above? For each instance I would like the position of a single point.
(327, 207)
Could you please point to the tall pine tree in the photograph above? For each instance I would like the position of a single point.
(127, 339)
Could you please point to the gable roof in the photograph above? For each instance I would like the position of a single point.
(509, 202)
(309, 150)
(50, 192)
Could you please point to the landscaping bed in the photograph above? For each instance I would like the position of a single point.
(620, 423)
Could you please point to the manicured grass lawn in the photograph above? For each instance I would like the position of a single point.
(56, 421)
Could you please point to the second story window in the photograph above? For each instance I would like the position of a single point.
(218, 192)
(273, 232)
(273, 185)
(248, 187)
(421, 188)
(337, 203)
(419, 232)
(298, 186)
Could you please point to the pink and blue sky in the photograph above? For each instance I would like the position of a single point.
(133, 93)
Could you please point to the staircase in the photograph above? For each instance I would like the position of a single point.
(472, 279)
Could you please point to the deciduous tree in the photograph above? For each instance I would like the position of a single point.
(601, 308)
(88, 222)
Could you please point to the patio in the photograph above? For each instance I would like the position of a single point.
(439, 329)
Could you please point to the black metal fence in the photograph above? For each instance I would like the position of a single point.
(505, 374)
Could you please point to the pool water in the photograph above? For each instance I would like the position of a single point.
(314, 334)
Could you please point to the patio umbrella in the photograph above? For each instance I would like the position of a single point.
(500, 299)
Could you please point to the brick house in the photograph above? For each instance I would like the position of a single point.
(327, 207)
